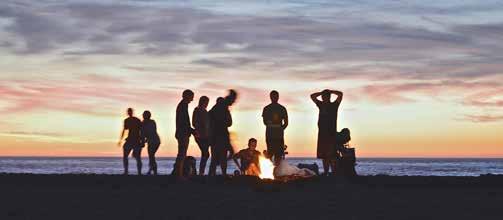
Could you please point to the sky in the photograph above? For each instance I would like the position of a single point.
(420, 78)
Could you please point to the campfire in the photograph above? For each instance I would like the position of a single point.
(266, 168)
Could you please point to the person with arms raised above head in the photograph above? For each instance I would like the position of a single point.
(201, 123)
(327, 126)
(183, 130)
(151, 137)
(275, 118)
(133, 141)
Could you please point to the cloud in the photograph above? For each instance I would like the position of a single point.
(483, 118)
(395, 93)
(491, 97)
(393, 60)
(90, 94)
(34, 134)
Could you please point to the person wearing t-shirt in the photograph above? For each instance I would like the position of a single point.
(275, 118)
(183, 130)
(133, 141)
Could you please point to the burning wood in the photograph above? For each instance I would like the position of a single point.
(266, 168)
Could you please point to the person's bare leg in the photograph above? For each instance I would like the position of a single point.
(326, 166)
(154, 165)
(179, 166)
(213, 162)
(213, 167)
(333, 166)
(137, 156)
(223, 163)
(205, 154)
(182, 154)
(202, 165)
(125, 159)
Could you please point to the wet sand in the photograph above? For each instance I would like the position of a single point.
(146, 197)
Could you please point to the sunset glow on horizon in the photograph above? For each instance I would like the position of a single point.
(420, 78)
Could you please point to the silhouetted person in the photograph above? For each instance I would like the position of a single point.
(133, 141)
(327, 126)
(183, 130)
(275, 119)
(151, 137)
(220, 121)
(201, 123)
(249, 158)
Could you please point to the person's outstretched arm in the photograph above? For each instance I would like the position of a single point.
(339, 95)
(315, 96)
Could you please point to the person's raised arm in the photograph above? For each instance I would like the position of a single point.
(315, 96)
(339, 95)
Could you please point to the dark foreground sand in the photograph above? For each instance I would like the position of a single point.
(132, 197)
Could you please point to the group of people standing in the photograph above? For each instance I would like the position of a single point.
(210, 130)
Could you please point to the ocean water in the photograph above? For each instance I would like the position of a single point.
(365, 166)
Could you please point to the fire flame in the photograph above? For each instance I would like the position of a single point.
(266, 168)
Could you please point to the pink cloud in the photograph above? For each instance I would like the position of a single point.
(484, 118)
(94, 95)
(395, 93)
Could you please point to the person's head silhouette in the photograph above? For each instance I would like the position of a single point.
(188, 95)
(147, 115)
(130, 112)
(274, 96)
(231, 98)
(220, 100)
(325, 95)
(203, 102)
(252, 143)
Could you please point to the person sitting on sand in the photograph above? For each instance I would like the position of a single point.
(150, 136)
(133, 141)
(249, 159)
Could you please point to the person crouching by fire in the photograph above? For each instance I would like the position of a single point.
(249, 159)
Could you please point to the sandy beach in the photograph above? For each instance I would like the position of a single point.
(147, 197)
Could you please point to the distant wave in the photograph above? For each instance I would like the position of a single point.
(366, 166)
